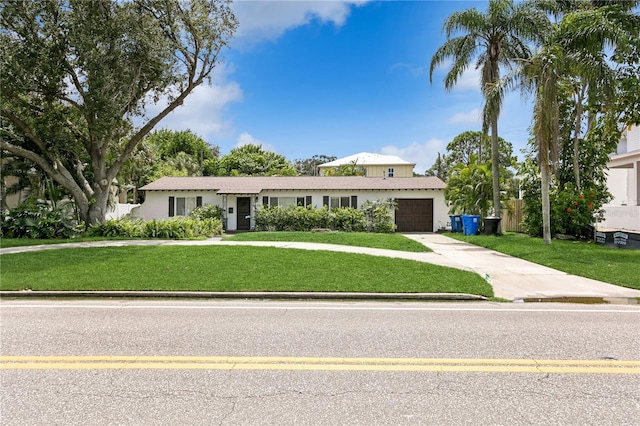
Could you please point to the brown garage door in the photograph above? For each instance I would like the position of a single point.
(415, 215)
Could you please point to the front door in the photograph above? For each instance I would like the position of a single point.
(244, 213)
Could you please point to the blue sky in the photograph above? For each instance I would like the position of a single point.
(337, 78)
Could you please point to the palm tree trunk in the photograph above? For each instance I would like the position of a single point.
(546, 204)
(495, 165)
(576, 138)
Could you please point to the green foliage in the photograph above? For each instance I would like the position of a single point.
(572, 212)
(124, 228)
(225, 268)
(77, 75)
(299, 218)
(170, 143)
(252, 160)
(380, 215)
(349, 220)
(207, 212)
(358, 239)
(469, 189)
(472, 146)
(175, 228)
(351, 169)
(39, 220)
(309, 166)
(373, 217)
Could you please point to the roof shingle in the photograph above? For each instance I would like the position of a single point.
(257, 184)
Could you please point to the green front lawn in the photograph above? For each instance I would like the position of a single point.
(359, 239)
(228, 268)
(607, 264)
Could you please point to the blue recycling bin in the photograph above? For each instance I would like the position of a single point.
(470, 224)
(456, 223)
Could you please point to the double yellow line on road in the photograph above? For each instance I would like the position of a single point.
(108, 362)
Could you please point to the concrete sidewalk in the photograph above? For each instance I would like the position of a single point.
(513, 278)
(510, 277)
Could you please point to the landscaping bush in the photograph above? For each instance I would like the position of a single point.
(40, 221)
(349, 220)
(379, 215)
(299, 218)
(207, 212)
(125, 228)
(176, 228)
(572, 213)
(181, 227)
(374, 217)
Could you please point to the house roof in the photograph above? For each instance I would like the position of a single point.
(368, 159)
(257, 184)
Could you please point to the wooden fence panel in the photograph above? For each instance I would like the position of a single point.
(512, 218)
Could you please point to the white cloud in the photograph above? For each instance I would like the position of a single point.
(472, 117)
(267, 20)
(203, 110)
(247, 139)
(415, 71)
(423, 154)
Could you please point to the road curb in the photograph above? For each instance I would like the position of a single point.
(240, 295)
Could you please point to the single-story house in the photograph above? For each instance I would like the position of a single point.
(623, 181)
(375, 165)
(422, 207)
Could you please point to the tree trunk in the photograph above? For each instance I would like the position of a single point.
(576, 140)
(546, 204)
(495, 166)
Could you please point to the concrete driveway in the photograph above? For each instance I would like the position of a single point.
(513, 278)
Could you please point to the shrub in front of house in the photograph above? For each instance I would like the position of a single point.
(39, 220)
(379, 215)
(123, 228)
(207, 212)
(175, 228)
(344, 219)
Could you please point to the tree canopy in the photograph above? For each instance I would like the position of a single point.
(250, 160)
(471, 147)
(309, 166)
(498, 38)
(77, 77)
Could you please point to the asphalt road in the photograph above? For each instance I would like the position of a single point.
(266, 362)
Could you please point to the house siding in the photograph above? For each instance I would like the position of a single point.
(399, 170)
(155, 205)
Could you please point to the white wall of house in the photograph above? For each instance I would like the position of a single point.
(156, 205)
(119, 210)
(623, 182)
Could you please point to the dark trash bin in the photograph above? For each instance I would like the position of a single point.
(456, 223)
(470, 224)
(491, 225)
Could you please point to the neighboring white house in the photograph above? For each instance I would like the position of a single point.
(421, 203)
(623, 178)
(375, 165)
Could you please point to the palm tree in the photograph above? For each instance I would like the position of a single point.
(573, 49)
(497, 38)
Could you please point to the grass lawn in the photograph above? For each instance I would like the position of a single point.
(359, 239)
(611, 265)
(236, 268)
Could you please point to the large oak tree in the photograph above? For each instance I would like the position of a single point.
(77, 76)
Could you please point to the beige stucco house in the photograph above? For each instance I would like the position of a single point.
(422, 207)
(375, 165)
